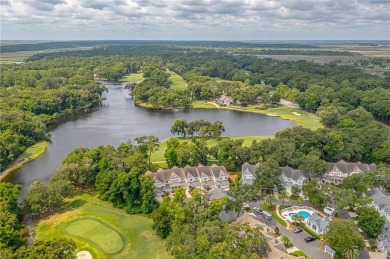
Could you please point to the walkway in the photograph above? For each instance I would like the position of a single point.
(277, 213)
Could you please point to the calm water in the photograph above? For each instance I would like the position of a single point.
(118, 120)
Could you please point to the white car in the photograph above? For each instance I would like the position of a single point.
(258, 210)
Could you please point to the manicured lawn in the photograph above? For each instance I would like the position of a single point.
(34, 151)
(97, 233)
(299, 253)
(274, 215)
(219, 80)
(134, 77)
(102, 230)
(158, 156)
(305, 119)
(178, 82)
(203, 105)
(301, 118)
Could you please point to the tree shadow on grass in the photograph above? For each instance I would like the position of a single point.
(76, 203)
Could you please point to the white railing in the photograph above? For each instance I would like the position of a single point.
(293, 208)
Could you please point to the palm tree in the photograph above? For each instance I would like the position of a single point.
(270, 200)
(351, 252)
(149, 144)
(283, 195)
(295, 218)
(286, 241)
(300, 219)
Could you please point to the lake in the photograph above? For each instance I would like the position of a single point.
(117, 119)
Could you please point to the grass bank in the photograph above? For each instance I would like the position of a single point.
(274, 214)
(203, 105)
(298, 254)
(102, 230)
(158, 156)
(30, 154)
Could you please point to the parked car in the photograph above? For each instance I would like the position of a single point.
(309, 239)
(297, 230)
(258, 210)
(267, 215)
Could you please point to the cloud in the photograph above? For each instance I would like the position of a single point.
(194, 19)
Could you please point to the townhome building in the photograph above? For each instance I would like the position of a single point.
(336, 172)
(289, 175)
(381, 202)
(205, 177)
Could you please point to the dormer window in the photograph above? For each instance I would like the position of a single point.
(205, 179)
(167, 182)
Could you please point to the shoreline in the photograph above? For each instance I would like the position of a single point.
(298, 116)
(24, 158)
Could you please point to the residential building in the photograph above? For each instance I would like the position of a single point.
(205, 177)
(248, 173)
(317, 223)
(336, 172)
(217, 193)
(289, 176)
(381, 202)
(225, 100)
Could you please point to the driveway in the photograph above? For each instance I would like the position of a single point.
(311, 249)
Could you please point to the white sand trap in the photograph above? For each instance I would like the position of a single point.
(295, 113)
(273, 115)
(83, 255)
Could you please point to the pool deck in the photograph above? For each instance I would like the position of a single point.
(296, 209)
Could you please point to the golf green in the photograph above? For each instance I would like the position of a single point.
(98, 233)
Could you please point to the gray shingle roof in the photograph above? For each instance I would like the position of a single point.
(292, 173)
(251, 168)
(348, 167)
(375, 194)
(217, 193)
(321, 222)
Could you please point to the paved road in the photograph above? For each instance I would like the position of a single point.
(312, 249)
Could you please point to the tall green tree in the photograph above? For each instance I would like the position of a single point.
(313, 165)
(268, 176)
(149, 144)
(180, 127)
(341, 235)
(370, 221)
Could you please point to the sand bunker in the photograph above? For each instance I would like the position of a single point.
(295, 113)
(83, 255)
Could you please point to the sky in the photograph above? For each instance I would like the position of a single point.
(195, 19)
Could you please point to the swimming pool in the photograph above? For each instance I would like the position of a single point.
(302, 213)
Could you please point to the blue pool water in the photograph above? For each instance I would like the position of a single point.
(303, 213)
